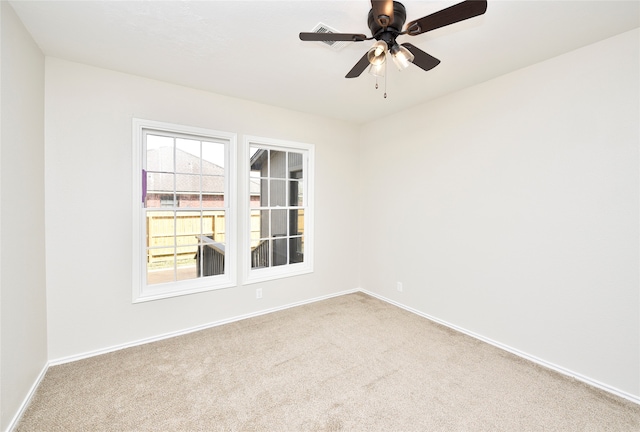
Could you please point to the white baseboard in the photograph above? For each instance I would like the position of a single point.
(534, 359)
(138, 342)
(25, 403)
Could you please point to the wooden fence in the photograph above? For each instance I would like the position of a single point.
(185, 231)
(164, 232)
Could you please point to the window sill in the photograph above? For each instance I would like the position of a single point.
(272, 273)
(168, 290)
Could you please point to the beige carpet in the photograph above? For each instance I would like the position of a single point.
(348, 363)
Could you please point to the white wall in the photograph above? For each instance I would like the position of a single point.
(23, 336)
(511, 209)
(88, 206)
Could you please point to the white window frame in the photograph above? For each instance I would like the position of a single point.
(143, 292)
(287, 270)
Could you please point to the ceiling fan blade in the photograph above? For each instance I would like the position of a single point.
(359, 67)
(320, 37)
(453, 14)
(420, 58)
(382, 12)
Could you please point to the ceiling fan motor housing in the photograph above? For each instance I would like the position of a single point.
(394, 28)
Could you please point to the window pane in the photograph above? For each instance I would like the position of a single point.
(295, 193)
(187, 184)
(188, 200)
(212, 156)
(259, 162)
(188, 228)
(278, 164)
(160, 266)
(187, 190)
(186, 262)
(255, 228)
(278, 223)
(160, 257)
(211, 258)
(159, 153)
(260, 254)
(278, 193)
(160, 229)
(295, 165)
(264, 193)
(296, 222)
(264, 215)
(280, 251)
(187, 156)
(214, 226)
(212, 191)
(254, 193)
(296, 252)
(159, 190)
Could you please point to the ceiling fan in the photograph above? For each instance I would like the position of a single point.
(386, 19)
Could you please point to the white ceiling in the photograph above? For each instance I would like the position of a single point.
(251, 50)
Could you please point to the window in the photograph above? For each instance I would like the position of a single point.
(280, 209)
(183, 210)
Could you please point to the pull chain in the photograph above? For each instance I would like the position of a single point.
(385, 80)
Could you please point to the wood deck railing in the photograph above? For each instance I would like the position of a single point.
(212, 257)
(260, 255)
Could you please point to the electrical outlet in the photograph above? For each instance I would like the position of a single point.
(399, 286)
(258, 293)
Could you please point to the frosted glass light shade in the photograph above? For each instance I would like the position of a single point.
(401, 56)
(377, 70)
(377, 54)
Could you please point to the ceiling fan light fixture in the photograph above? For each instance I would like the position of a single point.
(386, 19)
(377, 54)
(377, 70)
(401, 56)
